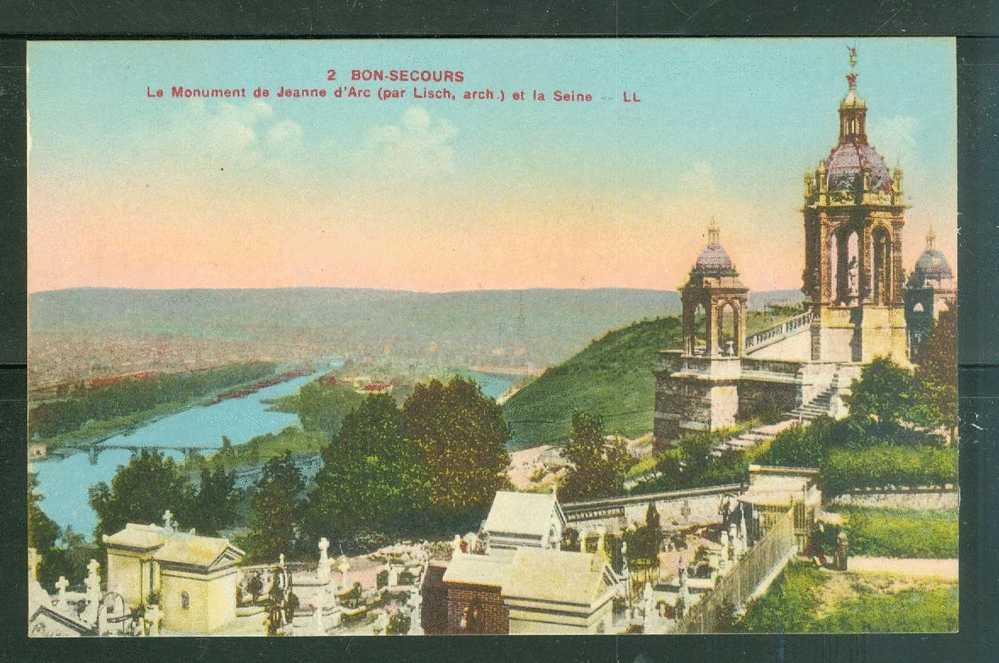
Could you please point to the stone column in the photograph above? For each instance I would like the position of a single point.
(711, 327)
(323, 570)
(898, 272)
(823, 260)
(866, 258)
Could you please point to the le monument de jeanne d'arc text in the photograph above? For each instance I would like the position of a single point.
(516, 575)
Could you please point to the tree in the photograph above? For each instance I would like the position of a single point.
(883, 394)
(42, 530)
(598, 464)
(141, 492)
(937, 375)
(324, 407)
(940, 352)
(216, 504)
(276, 510)
(372, 476)
(462, 437)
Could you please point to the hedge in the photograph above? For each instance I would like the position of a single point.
(884, 465)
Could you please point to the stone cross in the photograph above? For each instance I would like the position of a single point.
(61, 585)
(457, 544)
(323, 571)
(167, 519)
(93, 583)
(343, 567)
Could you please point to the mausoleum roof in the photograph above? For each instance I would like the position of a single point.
(556, 575)
(472, 569)
(521, 513)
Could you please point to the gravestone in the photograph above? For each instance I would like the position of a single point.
(323, 570)
(61, 585)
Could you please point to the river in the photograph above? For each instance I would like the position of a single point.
(64, 483)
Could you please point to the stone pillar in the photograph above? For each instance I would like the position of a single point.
(323, 570)
(866, 271)
(825, 273)
(898, 272)
(711, 327)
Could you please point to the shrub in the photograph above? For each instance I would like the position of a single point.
(886, 465)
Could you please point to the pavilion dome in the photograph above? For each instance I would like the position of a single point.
(714, 260)
(932, 266)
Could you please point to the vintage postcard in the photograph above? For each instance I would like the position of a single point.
(406, 337)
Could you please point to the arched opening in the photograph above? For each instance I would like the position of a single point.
(185, 600)
(882, 266)
(728, 329)
(918, 308)
(699, 330)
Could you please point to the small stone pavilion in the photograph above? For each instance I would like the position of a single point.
(194, 576)
(855, 306)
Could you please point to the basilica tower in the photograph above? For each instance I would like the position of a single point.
(854, 212)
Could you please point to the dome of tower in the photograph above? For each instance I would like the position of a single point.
(932, 265)
(848, 160)
(714, 259)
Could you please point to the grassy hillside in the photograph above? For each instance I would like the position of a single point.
(612, 376)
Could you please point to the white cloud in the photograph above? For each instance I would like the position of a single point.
(418, 145)
(894, 137)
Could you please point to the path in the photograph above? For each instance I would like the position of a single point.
(945, 569)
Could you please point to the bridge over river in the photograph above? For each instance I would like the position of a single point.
(93, 451)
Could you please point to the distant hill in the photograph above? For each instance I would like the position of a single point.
(612, 376)
(495, 328)
(505, 327)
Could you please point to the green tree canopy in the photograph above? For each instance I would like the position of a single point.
(598, 464)
(940, 353)
(323, 407)
(43, 532)
(276, 510)
(216, 504)
(462, 436)
(884, 393)
(372, 476)
(141, 492)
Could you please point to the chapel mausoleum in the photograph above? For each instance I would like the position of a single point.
(857, 306)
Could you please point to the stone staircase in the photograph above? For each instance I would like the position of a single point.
(819, 406)
(752, 437)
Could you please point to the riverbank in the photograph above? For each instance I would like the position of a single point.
(94, 432)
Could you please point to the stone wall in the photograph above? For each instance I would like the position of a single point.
(494, 617)
(757, 398)
(696, 506)
(915, 498)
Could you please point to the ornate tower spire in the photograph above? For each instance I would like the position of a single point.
(852, 110)
(713, 233)
(931, 238)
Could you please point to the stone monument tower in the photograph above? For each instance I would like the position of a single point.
(854, 212)
(929, 291)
